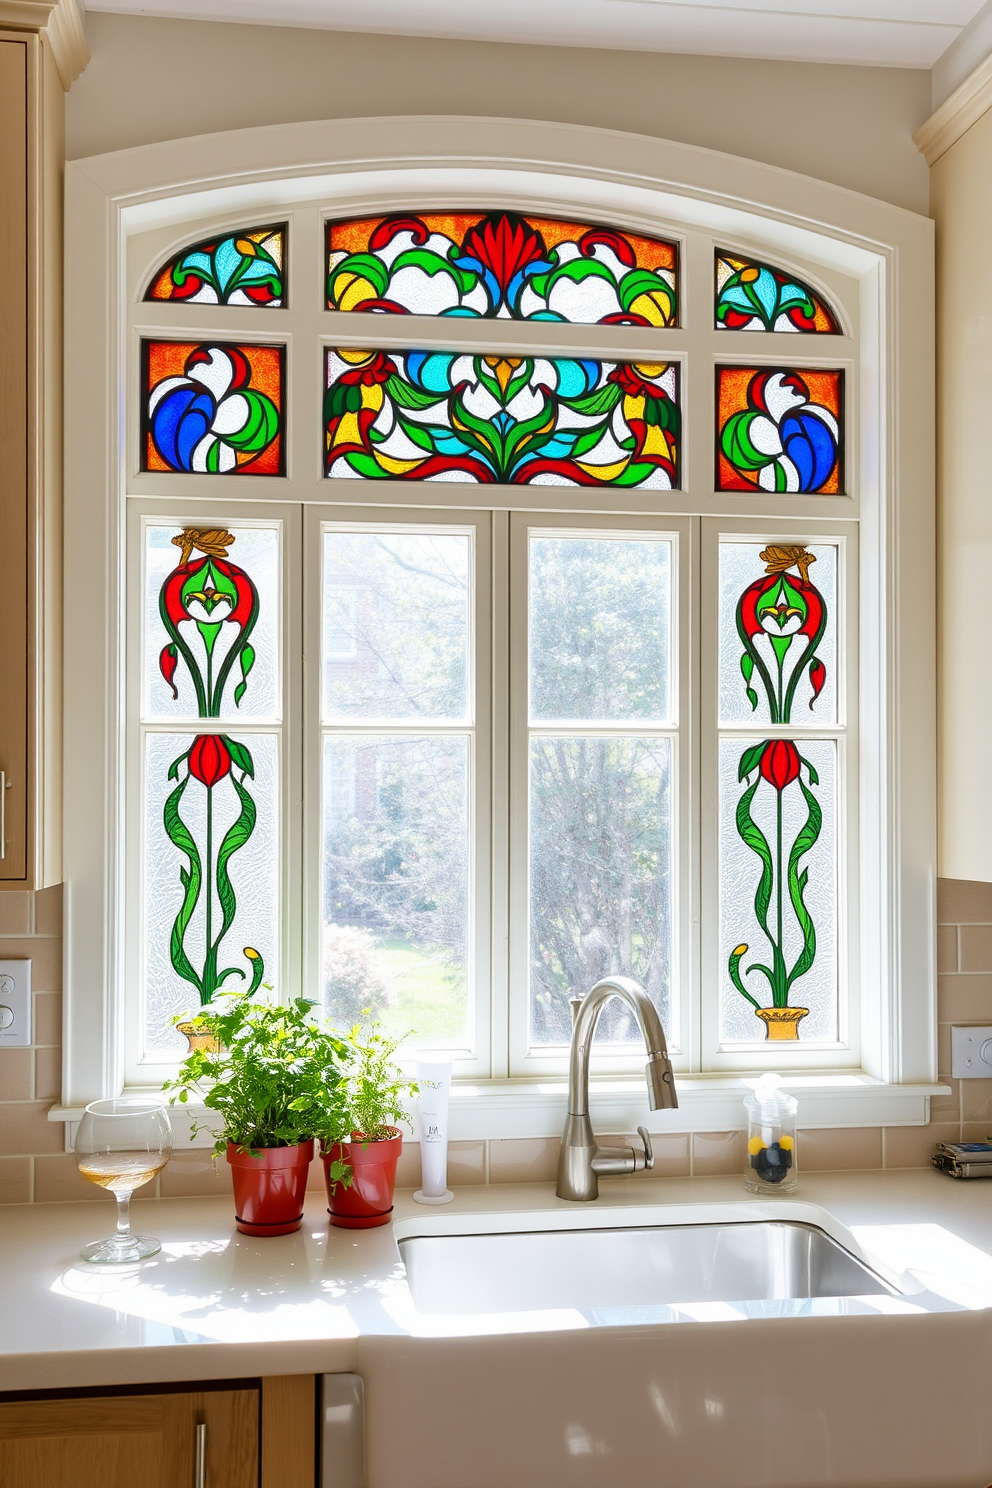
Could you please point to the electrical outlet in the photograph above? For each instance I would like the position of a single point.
(971, 1052)
(15, 1003)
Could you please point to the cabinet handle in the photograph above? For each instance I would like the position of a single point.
(200, 1480)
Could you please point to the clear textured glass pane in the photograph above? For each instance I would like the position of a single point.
(396, 626)
(396, 884)
(208, 644)
(778, 885)
(600, 878)
(600, 629)
(209, 820)
(778, 633)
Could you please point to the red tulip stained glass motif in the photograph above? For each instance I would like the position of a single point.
(516, 420)
(230, 268)
(501, 265)
(754, 296)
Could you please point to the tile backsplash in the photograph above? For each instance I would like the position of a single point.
(34, 1166)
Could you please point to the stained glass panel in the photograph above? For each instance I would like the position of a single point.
(501, 265)
(778, 633)
(212, 408)
(439, 415)
(600, 878)
(753, 296)
(780, 429)
(396, 883)
(396, 626)
(211, 623)
(778, 890)
(211, 874)
(240, 268)
(600, 629)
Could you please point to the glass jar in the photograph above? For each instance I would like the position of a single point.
(770, 1158)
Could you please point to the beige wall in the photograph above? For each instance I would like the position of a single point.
(962, 207)
(153, 79)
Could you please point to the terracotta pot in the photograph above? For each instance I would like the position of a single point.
(781, 1023)
(270, 1185)
(369, 1200)
(197, 1040)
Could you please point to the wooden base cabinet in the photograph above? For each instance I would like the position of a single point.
(253, 1435)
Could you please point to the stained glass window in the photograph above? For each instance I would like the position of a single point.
(519, 420)
(780, 429)
(211, 873)
(753, 296)
(242, 268)
(212, 408)
(500, 264)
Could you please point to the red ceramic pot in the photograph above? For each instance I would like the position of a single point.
(270, 1185)
(368, 1201)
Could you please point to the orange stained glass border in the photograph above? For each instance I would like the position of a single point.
(161, 286)
(825, 322)
(826, 387)
(352, 235)
(161, 359)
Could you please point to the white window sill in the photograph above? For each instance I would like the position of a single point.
(519, 1108)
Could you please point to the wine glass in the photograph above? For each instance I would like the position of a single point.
(121, 1144)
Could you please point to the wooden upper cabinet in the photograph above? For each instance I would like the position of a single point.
(132, 1441)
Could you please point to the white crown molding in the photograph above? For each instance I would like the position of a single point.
(61, 23)
(965, 106)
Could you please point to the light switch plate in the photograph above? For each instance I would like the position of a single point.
(971, 1052)
(15, 1003)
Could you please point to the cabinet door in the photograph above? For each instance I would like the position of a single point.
(130, 1441)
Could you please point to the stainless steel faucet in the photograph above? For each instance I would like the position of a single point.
(582, 1159)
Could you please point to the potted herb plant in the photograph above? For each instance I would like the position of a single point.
(360, 1151)
(276, 1079)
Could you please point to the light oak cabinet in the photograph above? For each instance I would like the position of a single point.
(253, 1434)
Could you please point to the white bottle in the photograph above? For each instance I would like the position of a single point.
(434, 1083)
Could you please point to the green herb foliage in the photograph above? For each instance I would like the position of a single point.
(277, 1079)
(374, 1088)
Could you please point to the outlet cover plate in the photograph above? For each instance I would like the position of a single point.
(15, 1004)
(971, 1052)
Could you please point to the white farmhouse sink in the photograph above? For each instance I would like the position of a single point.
(631, 1267)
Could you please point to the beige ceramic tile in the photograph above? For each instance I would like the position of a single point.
(976, 947)
(466, 1164)
(15, 913)
(947, 1107)
(48, 911)
(964, 999)
(48, 1074)
(839, 1148)
(943, 1049)
(24, 1128)
(45, 957)
(717, 1152)
(16, 1074)
(195, 1175)
(913, 1146)
(976, 1100)
(962, 901)
(523, 1159)
(947, 948)
(48, 1018)
(976, 1131)
(57, 1180)
(408, 1167)
(15, 1180)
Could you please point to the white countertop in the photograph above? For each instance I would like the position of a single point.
(215, 1304)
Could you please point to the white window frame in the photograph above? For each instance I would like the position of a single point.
(836, 237)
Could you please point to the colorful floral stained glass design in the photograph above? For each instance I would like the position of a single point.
(518, 420)
(780, 429)
(501, 265)
(212, 408)
(245, 268)
(781, 618)
(209, 813)
(752, 296)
